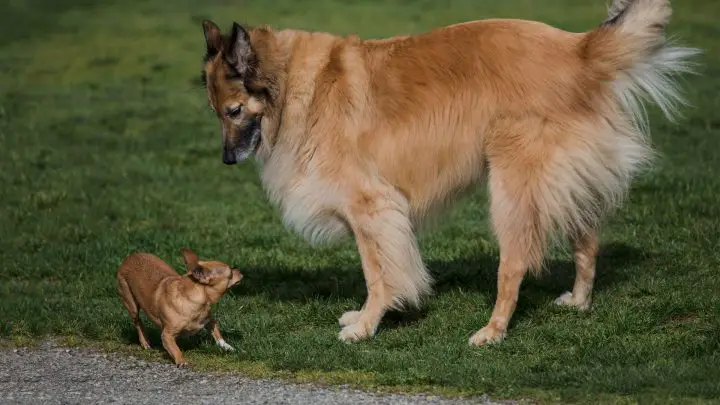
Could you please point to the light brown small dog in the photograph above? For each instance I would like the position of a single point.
(176, 304)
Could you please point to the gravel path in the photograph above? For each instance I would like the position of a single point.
(56, 375)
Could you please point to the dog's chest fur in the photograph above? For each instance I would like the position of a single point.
(308, 203)
(197, 319)
(311, 200)
(200, 321)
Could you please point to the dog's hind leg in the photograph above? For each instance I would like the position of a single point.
(512, 270)
(585, 250)
(392, 266)
(144, 342)
(558, 180)
(130, 304)
(521, 230)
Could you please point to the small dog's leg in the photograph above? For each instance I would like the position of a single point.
(391, 261)
(141, 333)
(123, 290)
(168, 340)
(585, 250)
(214, 329)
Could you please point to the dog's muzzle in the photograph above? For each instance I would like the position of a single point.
(229, 157)
(248, 139)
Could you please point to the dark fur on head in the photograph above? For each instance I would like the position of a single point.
(240, 56)
(196, 271)
(242, 76)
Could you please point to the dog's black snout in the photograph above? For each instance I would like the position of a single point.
(229, 157)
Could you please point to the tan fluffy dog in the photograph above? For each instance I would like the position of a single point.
(369, 136)
(176, 304)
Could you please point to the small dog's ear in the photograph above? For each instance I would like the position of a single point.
(191, 259)
(201, 275)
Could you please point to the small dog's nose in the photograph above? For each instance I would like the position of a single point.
(229, 157)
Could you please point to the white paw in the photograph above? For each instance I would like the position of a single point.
(354, 333)
(567, 300)
(349, 318)
(487, 335)
(225, 346)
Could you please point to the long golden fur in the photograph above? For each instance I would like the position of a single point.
(369, 136)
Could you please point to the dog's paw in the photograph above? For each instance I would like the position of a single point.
(225, 346)
(354, 333)
(568, 300)
(487, 335)
(182, 364)
(349, 318)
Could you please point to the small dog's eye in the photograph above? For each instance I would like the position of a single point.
(235, 111)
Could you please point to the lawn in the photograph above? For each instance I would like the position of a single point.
(107, 146)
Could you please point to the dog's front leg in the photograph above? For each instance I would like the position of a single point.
(392, 266)
(214, 328)
(168, 340)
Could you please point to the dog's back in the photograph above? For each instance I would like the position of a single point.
(142, 274)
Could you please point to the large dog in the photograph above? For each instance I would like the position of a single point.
(369, 136)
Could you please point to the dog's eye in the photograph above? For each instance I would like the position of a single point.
(234, 111)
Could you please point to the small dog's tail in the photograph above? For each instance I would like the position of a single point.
(631, 50)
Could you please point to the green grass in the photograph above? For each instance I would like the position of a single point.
(108, 146)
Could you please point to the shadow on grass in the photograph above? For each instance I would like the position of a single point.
(475, 274)
(185, 342)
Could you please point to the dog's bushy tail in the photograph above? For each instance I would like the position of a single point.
(630, 60)
(630, 48)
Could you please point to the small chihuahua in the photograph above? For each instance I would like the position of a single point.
(176, 304)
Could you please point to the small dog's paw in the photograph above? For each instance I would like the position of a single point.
(568, 300)
(349, 318)
(225, 346)
(182, 364)
(487, 335)
(354, 333)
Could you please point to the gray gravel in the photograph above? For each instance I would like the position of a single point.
(56, 375)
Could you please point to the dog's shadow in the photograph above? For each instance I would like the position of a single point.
(185, 342)
(475, 274)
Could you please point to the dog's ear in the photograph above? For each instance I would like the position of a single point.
(213, 39)
(240, 52)
(201, 275)
(191, 259)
